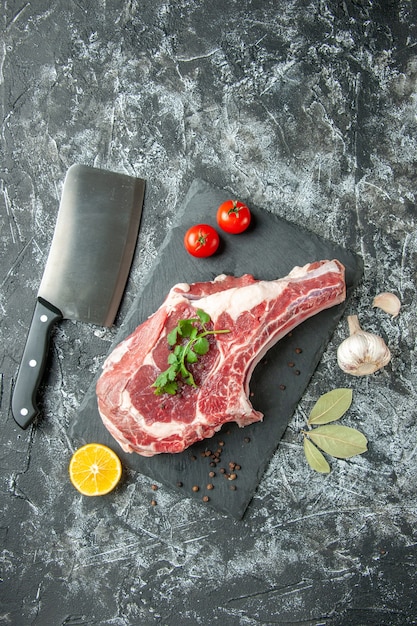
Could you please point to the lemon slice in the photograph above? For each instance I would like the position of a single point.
(95, 469)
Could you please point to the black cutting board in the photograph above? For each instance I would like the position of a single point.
(269, 249)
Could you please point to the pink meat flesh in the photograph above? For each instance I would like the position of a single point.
(257, 313)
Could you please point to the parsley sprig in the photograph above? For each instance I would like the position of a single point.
(194, 330)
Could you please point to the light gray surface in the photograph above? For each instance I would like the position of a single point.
(309, 110)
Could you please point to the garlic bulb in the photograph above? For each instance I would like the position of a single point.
(388, 302)
(362, 353)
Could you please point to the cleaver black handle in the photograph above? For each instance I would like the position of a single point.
(33, 363)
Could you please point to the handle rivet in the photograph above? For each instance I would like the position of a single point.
(43, 318)
(33, 363)
(24, 412)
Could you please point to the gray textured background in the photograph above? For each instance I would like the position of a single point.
(308, 108)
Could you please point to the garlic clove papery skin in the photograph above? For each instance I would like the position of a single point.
(362, 353)
(388, 302)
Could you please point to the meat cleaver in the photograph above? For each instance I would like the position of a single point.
(87, 267)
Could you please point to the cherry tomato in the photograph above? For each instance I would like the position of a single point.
(233, 216)
(201, 240)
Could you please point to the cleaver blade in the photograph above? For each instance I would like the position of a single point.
(87, 268)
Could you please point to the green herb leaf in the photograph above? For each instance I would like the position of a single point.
(172, 336)
(191, 357)
(204, 317)
(341, 442)
(186, 327)
(170, 388)
(331, 406)
(201, 345)
(162, 379)
(188, 378)
(184, 352)
(172, 358)
(315, 458)
(172, 372)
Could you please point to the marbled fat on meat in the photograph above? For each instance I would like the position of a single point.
(257, 313)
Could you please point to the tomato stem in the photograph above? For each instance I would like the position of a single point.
(234, 209)
(202, 238)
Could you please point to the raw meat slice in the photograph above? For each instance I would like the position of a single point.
(257, 313)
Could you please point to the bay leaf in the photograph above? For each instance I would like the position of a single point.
(315, 458)
(331, 406)
(341, 442)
